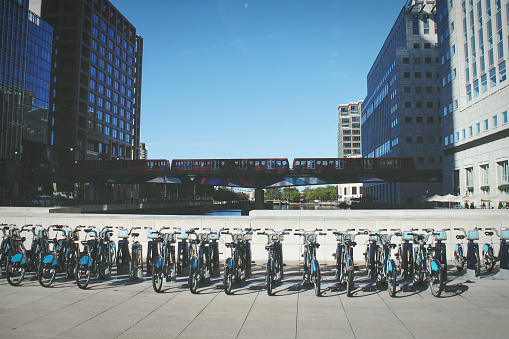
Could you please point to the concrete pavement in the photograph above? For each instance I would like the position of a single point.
(122, 309)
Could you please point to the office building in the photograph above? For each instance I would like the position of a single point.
(349, 130)
(25, 65)
(143, 151)
(401, 112)
(473, 53)
(96, 91)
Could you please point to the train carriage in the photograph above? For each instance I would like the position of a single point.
(331, 164)
(230, 165)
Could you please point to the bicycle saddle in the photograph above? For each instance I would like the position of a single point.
(489, 234)
(460, 236)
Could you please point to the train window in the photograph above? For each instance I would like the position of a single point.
(311, 164)
(257, 163)
(368, 163)
(215, 165)
(99, 165)
(264, 163)
(278, 163)
(188, 165)
(397, 163)
(271, 164)
(340, 164)
(243, 164)
(284, 163)
(318, 162)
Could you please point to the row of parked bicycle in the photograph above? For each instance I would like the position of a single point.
(420, 255)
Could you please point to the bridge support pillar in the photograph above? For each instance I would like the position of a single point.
(259, 198)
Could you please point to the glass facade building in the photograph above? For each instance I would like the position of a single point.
(25, 65)
(97, 80)
(401, 112)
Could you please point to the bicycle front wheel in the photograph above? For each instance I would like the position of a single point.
(349, 283)
(436, 282)
(477, 265)
(228, 282)
(193, 281)
(391, 282)
(316, 282)
(15, 273)
(82, 275)
(489, 262)
(47, 273)
(157, 278)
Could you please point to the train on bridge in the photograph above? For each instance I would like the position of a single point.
(235, 166)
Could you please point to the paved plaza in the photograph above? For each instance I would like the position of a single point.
(119, 308)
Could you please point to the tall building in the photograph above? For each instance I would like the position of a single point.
(473, 53)
(25, 65)
(97, 80)
(401, 112)
(143, 151)
(349, 130)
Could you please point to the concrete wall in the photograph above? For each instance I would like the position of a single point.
(292, 247)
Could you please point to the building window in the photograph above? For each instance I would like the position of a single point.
(501, 68)
(503, 175)
(495, 121)
(469, 176)
(406, 60)
(485, 177)
(493, 77)
(504, 117)
(486, 125)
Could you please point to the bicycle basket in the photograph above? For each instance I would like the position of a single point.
(440, 236)
(153, 234)
(373, 237)
(214, 235)
(473, 235)
(347, 237)
(504, 235)
(384, 237)
(276, 237)
(248, 237)
(183, 235)
(407, 235)
(310, 238)
(123, 233)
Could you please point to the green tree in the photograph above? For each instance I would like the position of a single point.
(328, 193)
(291, 194)
(273, 194)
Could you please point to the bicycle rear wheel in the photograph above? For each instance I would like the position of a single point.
(489, 262)
(477, 265)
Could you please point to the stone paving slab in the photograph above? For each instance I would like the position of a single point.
(122, 309)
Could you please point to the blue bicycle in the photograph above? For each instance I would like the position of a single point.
(311, 274)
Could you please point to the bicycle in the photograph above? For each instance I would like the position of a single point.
(164, 264)
(274, 269)
(311, 266)
(199, 265)
(183, 254)
(472, 258)
(123, 258)
(61, 256)
(24, 260)
(236, 266)
(96, 256)
(372, 251)
(387, 271)
(344, 258)
(436, 263)
(7, 247)
(152, 248)
(405, 252)
(488, 254)
(136, 262)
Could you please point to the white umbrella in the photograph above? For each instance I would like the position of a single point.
(447, 198)
(434, 198)
(503, 197)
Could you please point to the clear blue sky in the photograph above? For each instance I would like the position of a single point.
(253, 79)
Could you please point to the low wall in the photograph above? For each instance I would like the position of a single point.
(278, 220)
